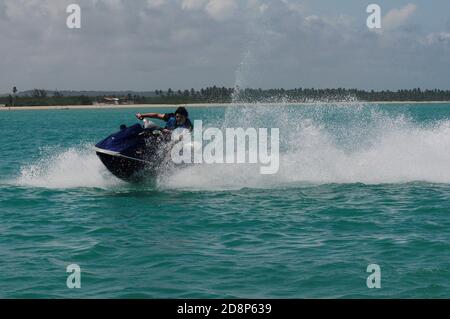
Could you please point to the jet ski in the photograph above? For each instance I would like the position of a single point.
(134, 152)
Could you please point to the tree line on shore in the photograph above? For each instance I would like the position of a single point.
(225, 95)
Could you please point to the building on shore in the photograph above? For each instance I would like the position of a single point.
(110, 100)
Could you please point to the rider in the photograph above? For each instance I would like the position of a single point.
(179, 119)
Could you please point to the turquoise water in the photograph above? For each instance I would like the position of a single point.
(358, 184)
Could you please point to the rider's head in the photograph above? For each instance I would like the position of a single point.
(181, 114)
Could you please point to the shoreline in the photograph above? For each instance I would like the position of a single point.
(106, 106)
(135, 106)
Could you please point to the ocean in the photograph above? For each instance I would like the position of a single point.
(358, 184)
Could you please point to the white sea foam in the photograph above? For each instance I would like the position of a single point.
(69, 168)
(321, 143)
(349, 143)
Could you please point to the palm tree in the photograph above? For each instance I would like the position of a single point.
(14, 95)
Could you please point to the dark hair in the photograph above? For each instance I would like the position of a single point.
(182, 111)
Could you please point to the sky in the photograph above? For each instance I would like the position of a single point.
(144, 45)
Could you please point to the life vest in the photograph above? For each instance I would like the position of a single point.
(171, 123)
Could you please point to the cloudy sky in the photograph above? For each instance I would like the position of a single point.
(157, 44)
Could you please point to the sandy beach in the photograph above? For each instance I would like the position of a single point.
(149, 106)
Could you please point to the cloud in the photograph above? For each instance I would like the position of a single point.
(152, 4)
(115, 4)
(294, 6)
(398, 17)
(437, 38)
(193, 4)
(146, 45)
(20, 9)
(221, 10)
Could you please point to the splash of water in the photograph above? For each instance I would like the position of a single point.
(70, 168)
(323, 143)
(319, 143)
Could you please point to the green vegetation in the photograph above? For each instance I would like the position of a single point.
(46, 101)
(224, 95)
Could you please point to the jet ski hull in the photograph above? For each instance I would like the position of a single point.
(132, 153)
(123, 167)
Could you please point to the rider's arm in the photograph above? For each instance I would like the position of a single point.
(150, 115)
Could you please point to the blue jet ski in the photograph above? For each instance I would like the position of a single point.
(134, 152)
